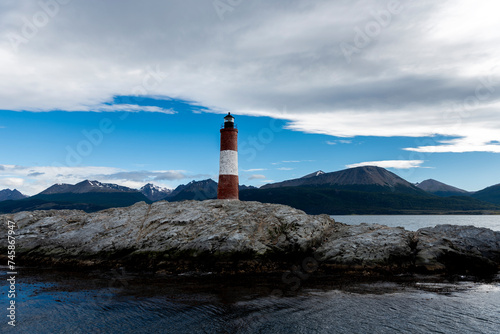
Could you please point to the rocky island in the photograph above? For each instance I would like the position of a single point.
(225, 236)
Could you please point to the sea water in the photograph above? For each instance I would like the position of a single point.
(90, 302)
(415, 222)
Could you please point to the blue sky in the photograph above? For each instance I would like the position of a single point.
(132, 93)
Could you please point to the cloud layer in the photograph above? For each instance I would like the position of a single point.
(397, 164)
(340, 68)
(34, 179)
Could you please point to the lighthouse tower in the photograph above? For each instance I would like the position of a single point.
(228, 168)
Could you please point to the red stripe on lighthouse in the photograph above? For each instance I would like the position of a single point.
(228, 187)
(229, 139)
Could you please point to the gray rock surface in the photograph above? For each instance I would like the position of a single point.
(182, 229)
(219, 232)
(367, 245)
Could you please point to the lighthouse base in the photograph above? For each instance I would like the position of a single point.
(228, 187)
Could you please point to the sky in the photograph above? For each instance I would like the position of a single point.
(133, 92)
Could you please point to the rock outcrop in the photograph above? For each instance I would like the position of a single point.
(234, 236)
(458, 249)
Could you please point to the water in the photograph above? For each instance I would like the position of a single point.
(413, 223)
(65, 302)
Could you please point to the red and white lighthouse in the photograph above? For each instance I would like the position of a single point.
(228, 168)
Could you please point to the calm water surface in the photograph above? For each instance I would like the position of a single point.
(64, 302)
(415, 222)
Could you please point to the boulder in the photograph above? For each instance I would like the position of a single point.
(464, 249)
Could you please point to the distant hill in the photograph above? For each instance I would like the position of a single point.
(11, 195)
(490, 194)
(155, 193)
(244, 187)
(367, 178)
(441, 189)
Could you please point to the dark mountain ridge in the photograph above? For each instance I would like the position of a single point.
(489, 194)
(197, 190)
(367, 178)
(441, 189)
(11, 195)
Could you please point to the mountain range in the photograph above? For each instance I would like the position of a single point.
(93, 196)
(373, 190)
(361, 190)
(8, 195)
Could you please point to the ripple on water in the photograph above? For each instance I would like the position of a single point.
(182, 306)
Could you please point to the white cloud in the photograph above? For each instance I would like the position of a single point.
(432, 70)
(254, 170)
(340, 141)
(459, 145)
(397, 164)
(129, 108)
(11, 182)
(284, 168)
(257, 177)
(295, 161)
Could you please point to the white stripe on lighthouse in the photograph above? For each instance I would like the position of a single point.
(228, 163)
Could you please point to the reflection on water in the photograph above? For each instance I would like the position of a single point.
(66, 302)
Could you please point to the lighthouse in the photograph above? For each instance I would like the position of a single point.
(228, 167)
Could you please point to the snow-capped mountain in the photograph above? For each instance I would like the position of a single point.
(85, 187)
(318, 173)
(155, 193)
